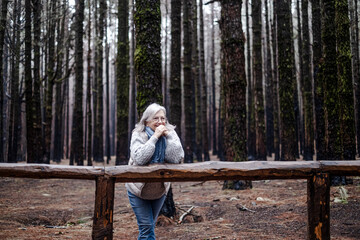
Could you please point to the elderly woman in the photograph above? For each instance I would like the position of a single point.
(153, 140)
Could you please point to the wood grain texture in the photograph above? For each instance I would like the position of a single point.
(349, 168)
(214, 170)
(204, 171)
(104, 209)
(318, 201)
(50, 171)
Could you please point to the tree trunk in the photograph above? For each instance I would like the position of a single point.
(77, 145)
(257, 68)
(88, 93)
(318, 81)
(188, 82)
(251, 136)
(197, 117)
(37, 146)
(51, 75)
(3, 21)
(287, 81)
(14, 123)
(299, 111)
(122, 76)
(234, 85)
(17, 98)
(330, 80)
(165, 78)
(221, 118)
(98, 136)
(175, 69)
(307, 86)
(345, 85)
(132, 91)
(275, 86)
(213, 87)
(95, 143)
(269, 89)
(59, 112)
(107, 132)
(356, 65)
(148, 53)
(66, 107)
(204, 106)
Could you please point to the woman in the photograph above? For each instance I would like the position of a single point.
(153, 140)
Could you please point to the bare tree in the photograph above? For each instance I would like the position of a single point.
(204, 107)
(3, 20)
(213, 97)
(98, 133)
(287, 83)
(51, 75)
(37, 147)
(318, 81)
(77, 144)
(188, 82)
(258, 82)
(89, 111)
(14, 121)
(269, 82)
(122, 84)
(175, 69)
(59, 94)
(251, 136)
(307, 86)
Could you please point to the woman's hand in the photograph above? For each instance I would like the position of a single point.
(161, 130)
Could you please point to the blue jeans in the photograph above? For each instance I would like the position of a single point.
(147, 212)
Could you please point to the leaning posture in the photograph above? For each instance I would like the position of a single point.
(153, 140)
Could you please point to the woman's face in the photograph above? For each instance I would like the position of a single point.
(158, 119)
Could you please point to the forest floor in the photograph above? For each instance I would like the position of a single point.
(272, 209)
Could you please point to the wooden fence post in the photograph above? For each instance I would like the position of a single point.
(104, 205)
(318, 200)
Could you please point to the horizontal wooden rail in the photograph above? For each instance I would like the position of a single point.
(212, 170)
(50, 171)
(317, 173)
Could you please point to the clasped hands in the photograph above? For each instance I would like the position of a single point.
(161, 130)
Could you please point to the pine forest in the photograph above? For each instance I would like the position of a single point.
(240, 79)
(251, 80)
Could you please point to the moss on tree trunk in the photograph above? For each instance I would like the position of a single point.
(234, 81)
(122, 76)
(147, 53)
(345, 85)
(286, 81)
(330, 81)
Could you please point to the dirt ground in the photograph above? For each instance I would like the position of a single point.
(272, 209)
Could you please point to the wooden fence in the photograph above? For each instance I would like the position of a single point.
(317, 174)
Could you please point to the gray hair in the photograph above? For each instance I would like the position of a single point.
(148, 114)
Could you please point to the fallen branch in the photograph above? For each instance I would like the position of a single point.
(243, 208)
(184, 215)
(61, 227)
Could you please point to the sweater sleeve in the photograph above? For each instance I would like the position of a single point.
(174, 152)
(142, 150)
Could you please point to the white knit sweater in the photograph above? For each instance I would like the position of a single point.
(141, 151)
